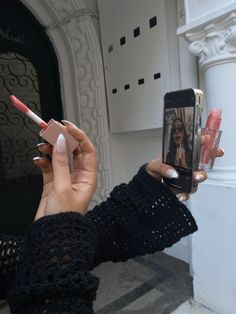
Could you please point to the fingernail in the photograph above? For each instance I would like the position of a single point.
(36, 158)
(61, 143)
(182, 197)
(171, 173)
(199, 177)
(40, 144)
(222, 151)
(66, 122)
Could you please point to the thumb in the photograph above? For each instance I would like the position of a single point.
(158, 169)
(60, 164)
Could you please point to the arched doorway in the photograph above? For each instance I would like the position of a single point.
(71, 26)
(29, 70)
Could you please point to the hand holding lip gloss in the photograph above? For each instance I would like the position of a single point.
(51, 130)
(211, 129)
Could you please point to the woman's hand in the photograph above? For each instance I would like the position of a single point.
(64, 191)
(157, 169)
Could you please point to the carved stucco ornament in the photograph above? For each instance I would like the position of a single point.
(215, 43)
(71, 28)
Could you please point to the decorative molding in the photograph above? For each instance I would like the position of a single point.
(75, 15)
(7, 34)
(76, 43)
(214, 43)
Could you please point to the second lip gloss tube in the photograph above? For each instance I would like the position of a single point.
(212, 129)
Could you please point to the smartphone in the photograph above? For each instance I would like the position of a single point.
(181, 136)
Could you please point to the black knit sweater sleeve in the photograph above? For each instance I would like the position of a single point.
(10, 249)
(140, 217)
(53, 275)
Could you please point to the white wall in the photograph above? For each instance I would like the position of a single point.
(132, 149)
(212, 36)
(213, 261)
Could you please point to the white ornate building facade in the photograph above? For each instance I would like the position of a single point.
(207, 30)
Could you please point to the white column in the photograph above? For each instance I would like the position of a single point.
(215, 46)
(214, 206)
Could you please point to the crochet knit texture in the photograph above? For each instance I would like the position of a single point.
(141, 217)
(10, 249)
(53, 275)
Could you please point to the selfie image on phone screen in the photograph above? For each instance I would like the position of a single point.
(178, 136)
(181, 136)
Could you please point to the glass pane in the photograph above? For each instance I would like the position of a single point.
(18, 133)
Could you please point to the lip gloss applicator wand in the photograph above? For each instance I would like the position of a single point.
(23, 108)
(49, 131)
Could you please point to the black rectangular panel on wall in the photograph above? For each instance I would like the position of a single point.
(137, 62)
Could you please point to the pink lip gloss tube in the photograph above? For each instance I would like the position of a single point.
(212, 129)
(49, 131)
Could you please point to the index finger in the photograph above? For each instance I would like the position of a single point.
(84, 157)
(60, 164)
(85, 143)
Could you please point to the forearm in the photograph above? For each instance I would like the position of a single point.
(53, 275)
(141, 217)
(10, 249)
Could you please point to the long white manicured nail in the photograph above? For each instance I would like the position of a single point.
(40, 144)
(61, 143)
(172, 174)
(36, 158)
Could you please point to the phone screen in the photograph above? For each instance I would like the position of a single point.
(178, 137)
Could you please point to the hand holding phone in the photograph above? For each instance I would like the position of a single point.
(181, 136)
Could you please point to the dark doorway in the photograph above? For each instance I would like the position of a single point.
(29, 70)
